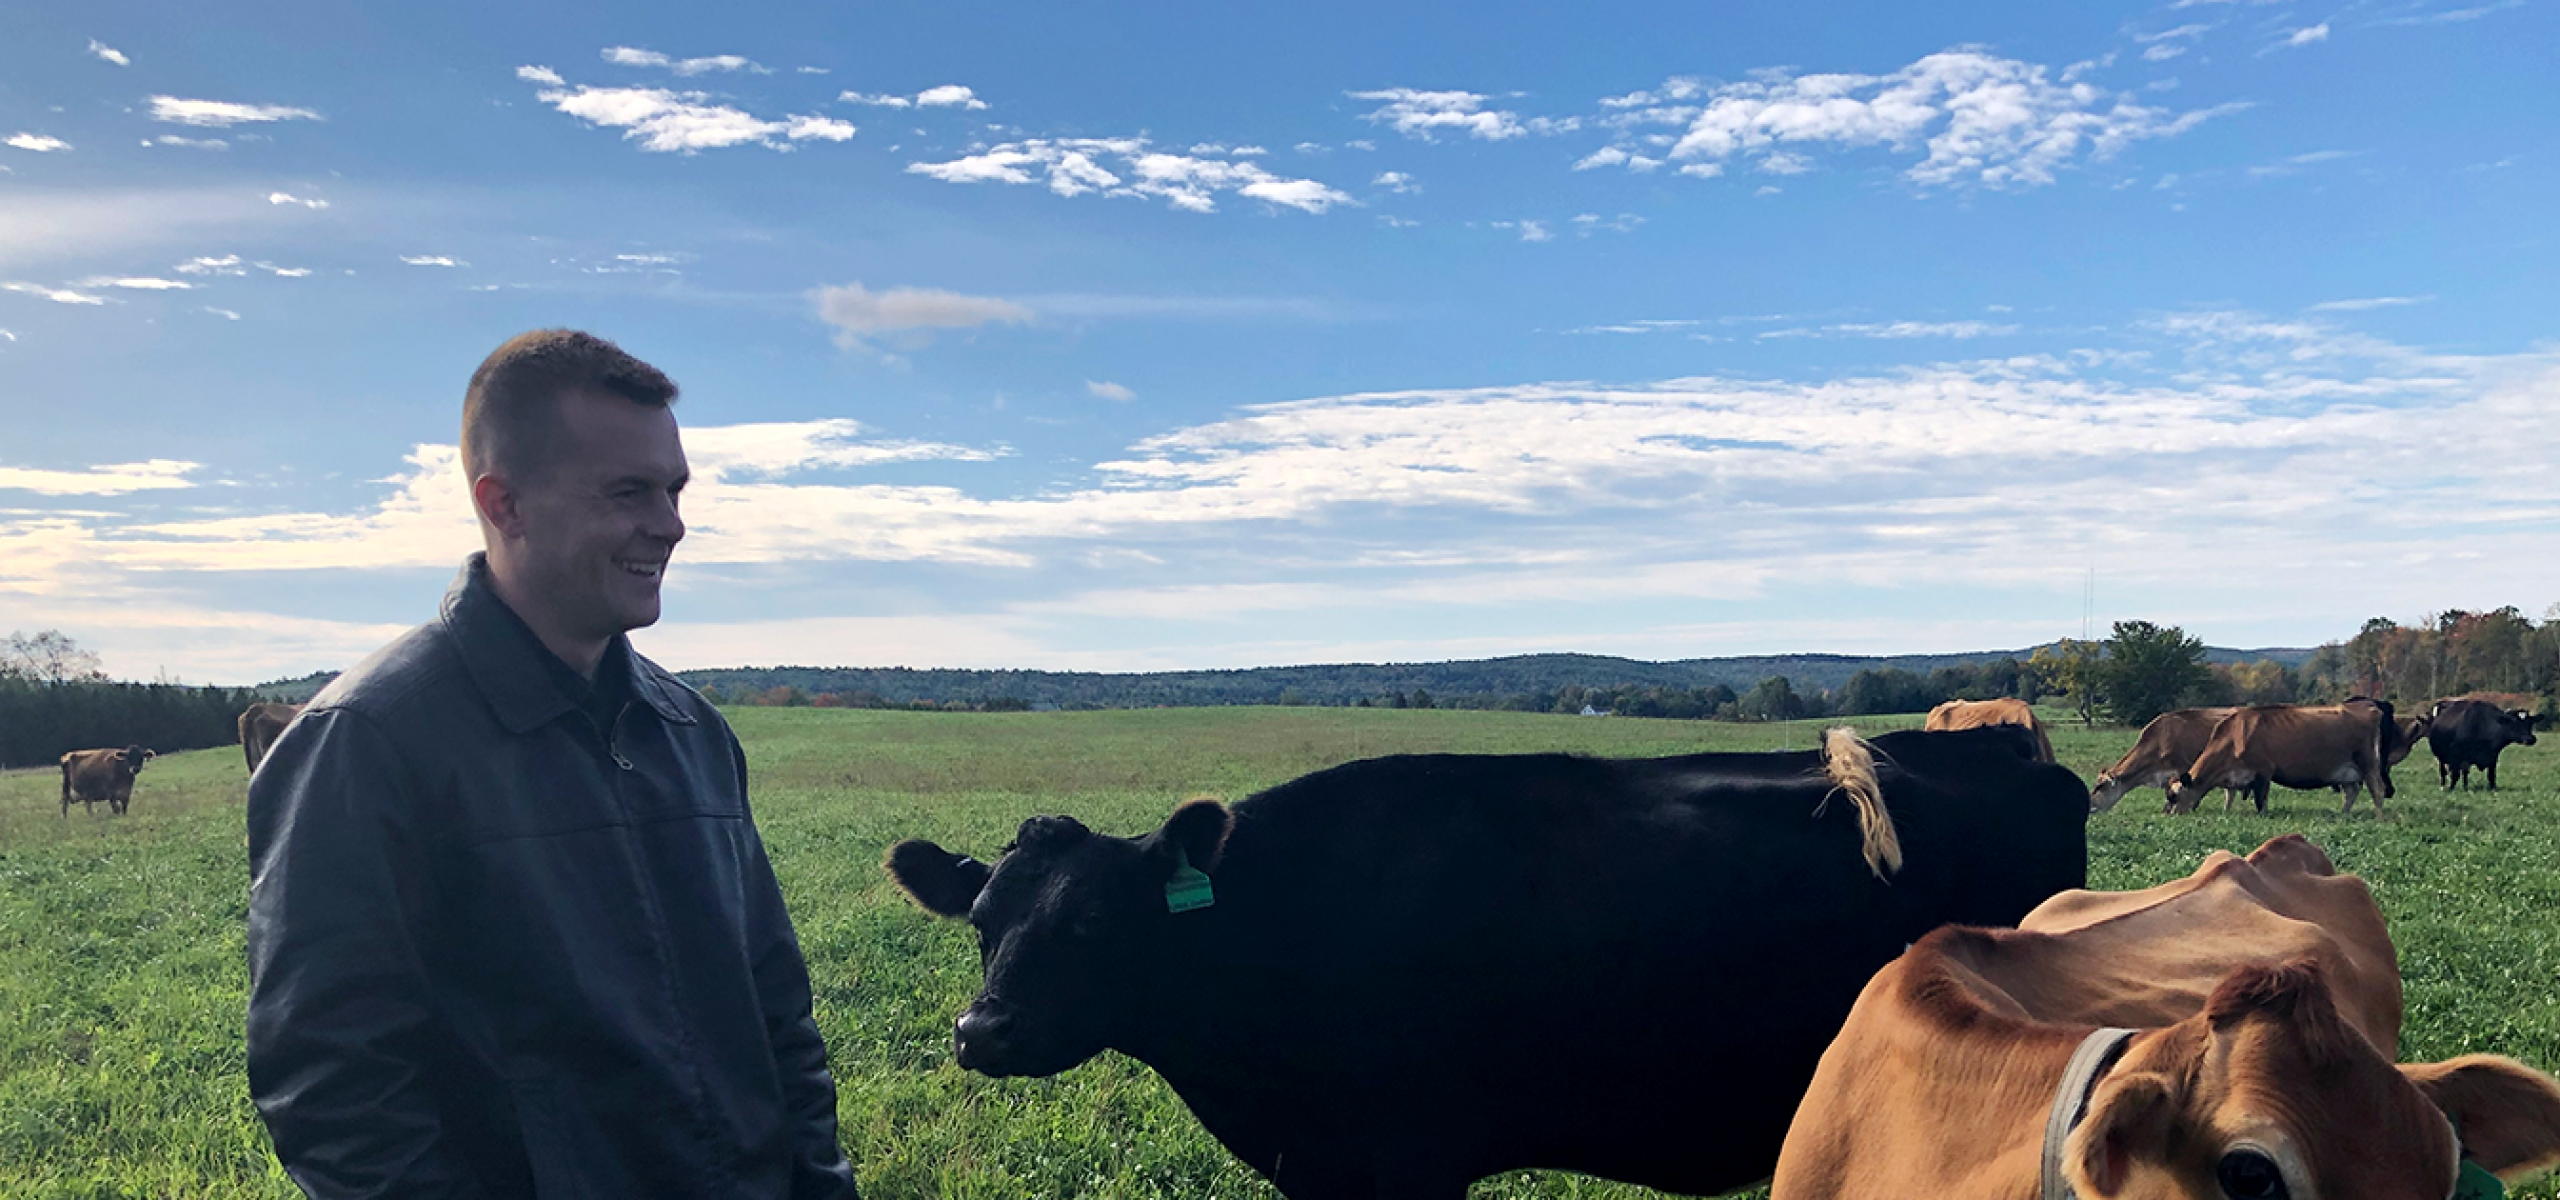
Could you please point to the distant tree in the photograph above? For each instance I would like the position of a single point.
(1421, 698)
(2262, 682)
(2072, 668)
(1771, 699)
(826, 700)
(1007, 704)
(785, 696)
(1398, 701)
(48, 656)
(1885, 690)
(2149, 670)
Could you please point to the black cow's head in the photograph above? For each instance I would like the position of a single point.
(2517, 726)
(134, 756)
(1065, 921)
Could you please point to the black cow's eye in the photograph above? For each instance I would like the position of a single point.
(2248, 1174)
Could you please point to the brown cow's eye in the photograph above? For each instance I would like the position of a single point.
(2247, 1174)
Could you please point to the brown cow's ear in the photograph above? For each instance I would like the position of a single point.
(939, 881)
(2128, 1122)
(2508, 1113)
(1199, 828)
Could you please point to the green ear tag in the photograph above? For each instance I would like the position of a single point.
(1188, 889)
(2476, 1183)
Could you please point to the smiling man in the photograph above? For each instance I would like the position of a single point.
(512, 932)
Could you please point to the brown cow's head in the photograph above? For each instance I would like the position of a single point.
(2269, 1093)
(1065, 920)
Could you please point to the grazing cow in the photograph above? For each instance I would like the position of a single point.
(1404, 974)
(90, 776)
(2471, 733)
(260, 726)
(2168, 745)
(2341, 746)
(1974, 714)
(2228, 1035)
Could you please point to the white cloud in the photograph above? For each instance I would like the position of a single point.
(2182, 32)
(5, 335)
(861, 315)
(1108, 391)
(541, 75)
(114, 479)
(1617, 156)
(2294, 164)
(2308, 35)
(629, 57)
(1899, 330)
(1529, 231)
(949, 95)
(139, 283)
(883, 100)
(57, 295)
(1784, 164)
(1396, 181)
(1587, 224)
(812, 70)
(2455, 15)
(669, 122)
(290, 198)
(223, 113)
(171, 139)
(228, 264)
(224, 313)
(2369, 303)
(1982, 120)
(283, 272)
(36, 142)
(2162, 52)
(1074, 167)
(1673, 91)
(109, 53)
(1708, 170)
(1420, 114)
(432, 260)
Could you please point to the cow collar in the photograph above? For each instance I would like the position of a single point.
(2089, 1063)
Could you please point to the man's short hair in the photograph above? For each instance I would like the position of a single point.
(510, 415)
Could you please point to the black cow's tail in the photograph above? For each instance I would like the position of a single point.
(1851, 766)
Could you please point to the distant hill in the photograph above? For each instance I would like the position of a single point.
(295, 691)
(1344, 683)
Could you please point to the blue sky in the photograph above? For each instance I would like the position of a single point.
(1191, 336)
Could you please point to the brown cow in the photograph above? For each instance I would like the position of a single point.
(93, 775)
(260, 726)
(2229, 1034)
(1973, 714)
(2342, 746)
(2168, 745)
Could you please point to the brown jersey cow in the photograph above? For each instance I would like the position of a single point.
(2168, 745)
(2342, 746)
(260, 726)
(93, 775)
(2233, 1033)
(1974, 714)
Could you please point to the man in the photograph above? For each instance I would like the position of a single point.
(511, 930)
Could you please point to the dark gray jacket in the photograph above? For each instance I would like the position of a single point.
(496, 951)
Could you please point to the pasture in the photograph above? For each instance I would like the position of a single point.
(122, 981)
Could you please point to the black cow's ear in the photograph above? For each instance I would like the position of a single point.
(939, 881)
(1199, 828)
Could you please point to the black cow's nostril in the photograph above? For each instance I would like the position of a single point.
(978, 1038)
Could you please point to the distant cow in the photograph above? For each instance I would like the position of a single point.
(260, 726)
(1974, 714)
(2232, 1034)
(2341, 746)
(1405, 974)
(93, 775)
(2168, 745)
(2471, 733)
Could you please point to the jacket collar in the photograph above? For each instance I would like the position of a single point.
(498, 650)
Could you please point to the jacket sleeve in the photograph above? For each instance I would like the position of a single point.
(340, 1033)
(818, 1167)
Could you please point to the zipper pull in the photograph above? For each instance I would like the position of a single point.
(618, 759)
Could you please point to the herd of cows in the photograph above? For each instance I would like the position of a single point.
(1864, 971)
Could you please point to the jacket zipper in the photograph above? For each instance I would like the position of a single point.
(613, 737)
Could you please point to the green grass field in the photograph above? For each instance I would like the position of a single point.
(122, 977)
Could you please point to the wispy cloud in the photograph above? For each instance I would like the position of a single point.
(1108, 391)
(57, 295)
(1981, 119)
(108, 53)
(1529, 231)
(115, 479)
(290, 198)
(136, 283)
(949, 95)
(223, 113)
(224, 313)
(1898, 330)
(1424, 115)
(36, 142)
(2452, 16)
(862, 316)
(2294, 164)
(1617, 156)
(627, 56)
(171, 139)
(2306, 36)
(2369, 303)
(541, 75)
(668, 122)
(432, 260)
(1075, 167)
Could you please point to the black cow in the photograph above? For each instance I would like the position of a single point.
(2470, 733)
(1418, 971)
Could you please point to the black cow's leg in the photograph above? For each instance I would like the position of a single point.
(2492, 772)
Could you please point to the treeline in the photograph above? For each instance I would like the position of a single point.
(41, 721)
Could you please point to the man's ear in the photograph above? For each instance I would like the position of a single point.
(1199, 829)
(495, 500)
(2128, 1121)
(2508, 1113)
(942, 883)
